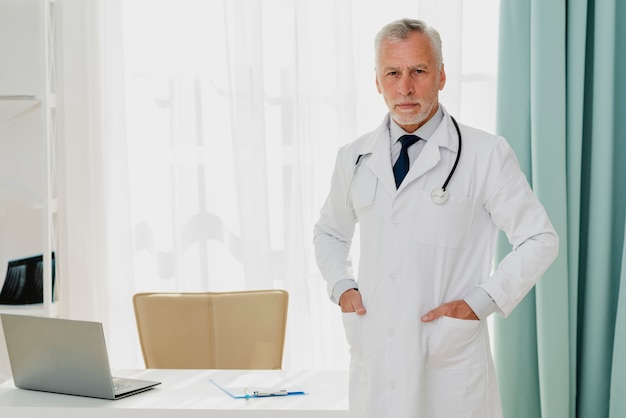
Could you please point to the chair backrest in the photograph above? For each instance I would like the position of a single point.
(212, 330)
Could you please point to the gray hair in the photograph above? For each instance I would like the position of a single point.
(402, 28)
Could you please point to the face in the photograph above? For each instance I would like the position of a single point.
(408, 78)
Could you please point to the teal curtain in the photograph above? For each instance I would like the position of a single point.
(561, 105)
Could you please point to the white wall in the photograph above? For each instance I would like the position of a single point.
(22, 136)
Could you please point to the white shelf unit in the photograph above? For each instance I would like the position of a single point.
(28, 138)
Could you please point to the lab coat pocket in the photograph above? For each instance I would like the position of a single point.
(352, 328)
(456, 344)
(363, 188)
(447, 225)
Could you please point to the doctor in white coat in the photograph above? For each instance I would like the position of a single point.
(415, 318)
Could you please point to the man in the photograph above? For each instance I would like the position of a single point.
(416, 319)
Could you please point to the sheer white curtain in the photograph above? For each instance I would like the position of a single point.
(212, 128)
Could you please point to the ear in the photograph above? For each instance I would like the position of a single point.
(442, 77)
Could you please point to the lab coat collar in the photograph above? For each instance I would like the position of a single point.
(376, 146)
(446, 134)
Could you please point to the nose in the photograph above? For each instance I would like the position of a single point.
(405, 86)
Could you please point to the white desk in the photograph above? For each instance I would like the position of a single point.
(187, 393)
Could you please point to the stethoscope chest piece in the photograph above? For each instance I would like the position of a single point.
(440, 196)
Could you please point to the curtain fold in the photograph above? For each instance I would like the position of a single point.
(558, 107)
(617, 406)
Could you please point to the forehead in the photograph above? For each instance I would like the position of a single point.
(413, 51)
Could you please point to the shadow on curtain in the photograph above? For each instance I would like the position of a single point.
(562, 353)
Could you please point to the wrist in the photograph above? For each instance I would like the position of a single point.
(341, 287)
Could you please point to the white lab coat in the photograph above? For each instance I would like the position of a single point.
(415, 255)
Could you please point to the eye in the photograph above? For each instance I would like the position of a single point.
(392, 73)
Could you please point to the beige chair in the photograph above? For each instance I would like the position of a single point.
(223, 330)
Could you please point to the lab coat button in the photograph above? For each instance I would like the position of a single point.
(392, 277)
(391, 386)
(391, 332)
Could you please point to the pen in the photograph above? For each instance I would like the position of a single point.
(264, 393)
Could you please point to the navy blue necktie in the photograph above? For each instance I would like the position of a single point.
(401, 167)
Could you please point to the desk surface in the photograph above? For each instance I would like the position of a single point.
(188, 393)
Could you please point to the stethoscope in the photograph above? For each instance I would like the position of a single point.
(439, 195)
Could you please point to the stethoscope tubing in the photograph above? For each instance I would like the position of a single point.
(439, 195)
(458, 154)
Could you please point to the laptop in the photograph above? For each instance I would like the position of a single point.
(63, 356)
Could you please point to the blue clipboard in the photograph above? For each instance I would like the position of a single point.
(257, 385)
